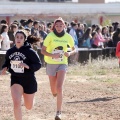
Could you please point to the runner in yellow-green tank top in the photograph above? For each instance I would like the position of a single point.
(56, 56)
(55, 44)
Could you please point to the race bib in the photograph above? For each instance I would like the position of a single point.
(15, 66)
(61, 52)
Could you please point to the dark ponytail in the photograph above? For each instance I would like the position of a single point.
(32, 39)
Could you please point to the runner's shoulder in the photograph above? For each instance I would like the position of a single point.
(12, 49)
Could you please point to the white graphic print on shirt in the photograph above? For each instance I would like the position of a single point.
(17, 58)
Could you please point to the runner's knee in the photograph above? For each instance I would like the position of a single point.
(29, 107)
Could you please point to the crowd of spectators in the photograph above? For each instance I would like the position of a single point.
(84, 36)
(95, 36)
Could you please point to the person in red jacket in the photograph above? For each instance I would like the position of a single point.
(118, 51)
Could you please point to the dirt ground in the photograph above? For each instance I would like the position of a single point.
(86, 97)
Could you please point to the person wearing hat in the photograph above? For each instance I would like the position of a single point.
(22, 62)
(56, 56)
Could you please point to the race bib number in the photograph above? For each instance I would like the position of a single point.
(61, 52)
(15, 66)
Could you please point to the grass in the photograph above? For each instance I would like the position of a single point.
(98, 67)
(99, 70)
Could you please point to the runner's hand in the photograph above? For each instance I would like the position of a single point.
(67, 54)
(24, 65)
(3, 72)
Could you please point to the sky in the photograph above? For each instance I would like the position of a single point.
(112, 1)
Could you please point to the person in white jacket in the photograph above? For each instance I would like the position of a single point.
(5, 38)
(1, 38)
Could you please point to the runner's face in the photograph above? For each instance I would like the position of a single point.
(59, 26)
(19, 40)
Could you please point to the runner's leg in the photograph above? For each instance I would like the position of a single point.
(16, 93)
(28, 100)
(60, 80)
(53, 83)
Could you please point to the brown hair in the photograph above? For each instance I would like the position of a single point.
(12, 26)
(22, 32)
(32, 39)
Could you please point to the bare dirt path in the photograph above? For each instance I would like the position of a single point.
(86, 97)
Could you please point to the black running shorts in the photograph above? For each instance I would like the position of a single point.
(28, 83)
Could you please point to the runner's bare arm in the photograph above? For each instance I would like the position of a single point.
(72, 52)
(3, 72)
(24, 65)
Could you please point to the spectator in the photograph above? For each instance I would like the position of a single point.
(16, 22)
(105, 34)
(73, 33)
(116, 37)
(28, 31)
(49, 27)
(66, 26)
(42, 32)
(86, 38)
(12, 31)
(98, 42)
(94, 35)
(80, 32)
(3, 22)
(74, 58)
(116, 24)
(111, 30)
(1, 38)
(22, 21)
(5, 42)
(35, 29)
(93, 27)
(85, 27)
(29, 24)
(118, 51)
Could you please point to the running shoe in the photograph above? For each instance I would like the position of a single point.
(58, 115)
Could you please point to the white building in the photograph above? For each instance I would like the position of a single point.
(90, 13)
